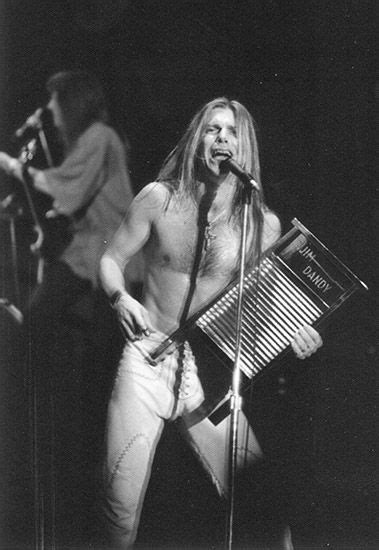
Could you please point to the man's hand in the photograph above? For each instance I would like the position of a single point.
(134, 319)
(8, 163)
(306, 341)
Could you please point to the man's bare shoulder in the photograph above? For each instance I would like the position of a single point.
(151, 200)
(154, 194)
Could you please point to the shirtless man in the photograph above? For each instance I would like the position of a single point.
(165, 222)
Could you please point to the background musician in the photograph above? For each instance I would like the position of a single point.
(65, 324)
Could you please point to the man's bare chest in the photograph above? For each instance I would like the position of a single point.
(181, 243)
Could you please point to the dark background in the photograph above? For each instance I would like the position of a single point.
(306, 71)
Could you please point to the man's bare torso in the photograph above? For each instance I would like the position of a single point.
(169, 259)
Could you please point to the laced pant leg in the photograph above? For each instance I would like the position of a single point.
(140, 401)
(211, 444)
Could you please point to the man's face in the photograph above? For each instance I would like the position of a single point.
(54, 107)
(219, 141)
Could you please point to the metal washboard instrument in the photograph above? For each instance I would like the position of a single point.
(299, 281)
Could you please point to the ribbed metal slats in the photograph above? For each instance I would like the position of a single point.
(274, 309)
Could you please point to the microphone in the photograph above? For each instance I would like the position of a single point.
(33, 122)
(245, 177)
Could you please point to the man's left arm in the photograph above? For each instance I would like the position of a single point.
(306, 340)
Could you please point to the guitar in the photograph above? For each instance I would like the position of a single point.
(52, 230)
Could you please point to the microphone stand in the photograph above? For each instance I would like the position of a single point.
(45, 146)
(44, 497)
(236, 400)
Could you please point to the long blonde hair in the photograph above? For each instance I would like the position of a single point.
(181, 167)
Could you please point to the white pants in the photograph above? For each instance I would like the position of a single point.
(143, 397)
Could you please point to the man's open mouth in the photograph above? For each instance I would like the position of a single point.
(221, 154)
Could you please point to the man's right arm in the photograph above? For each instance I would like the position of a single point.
(129, 239)
(133, 317)
(10, 165)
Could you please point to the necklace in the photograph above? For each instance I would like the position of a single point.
(209, 237)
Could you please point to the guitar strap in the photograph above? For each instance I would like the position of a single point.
(202, 222)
